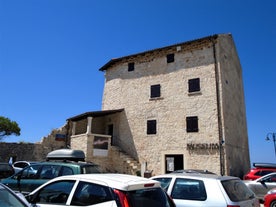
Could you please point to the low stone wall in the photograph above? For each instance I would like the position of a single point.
(33, 151)
(22, 151)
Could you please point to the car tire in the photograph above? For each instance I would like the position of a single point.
(273, 204)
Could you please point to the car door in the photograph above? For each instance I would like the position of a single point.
(21, 181)
(72, 193)
(53, 194)
(264, 184)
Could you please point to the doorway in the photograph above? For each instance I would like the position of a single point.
(110, 132)
(173, 162)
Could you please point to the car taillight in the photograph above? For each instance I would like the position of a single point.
(148, 185)
(122, 198)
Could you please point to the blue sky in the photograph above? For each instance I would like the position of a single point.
(51, 52)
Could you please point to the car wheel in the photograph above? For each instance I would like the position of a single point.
(273, 204)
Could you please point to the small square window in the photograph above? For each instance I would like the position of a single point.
(155, 91)
(194, 85)
(170, 58)
(130, 66)
(192, 124)
(151, 127)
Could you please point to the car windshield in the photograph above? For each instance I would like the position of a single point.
(237, 190)
(153, 197)
(7, 199)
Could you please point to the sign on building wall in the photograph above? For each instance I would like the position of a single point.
(100, 146)
(60, 137)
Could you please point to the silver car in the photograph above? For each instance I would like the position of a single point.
(209, 190)
(262, 185)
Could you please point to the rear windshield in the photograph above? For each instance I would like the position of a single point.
(237, 190)
(153, 197)
(88, 169)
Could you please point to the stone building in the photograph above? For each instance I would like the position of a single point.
(176, 107)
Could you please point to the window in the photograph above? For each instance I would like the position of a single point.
(194, 85)
(151, 127)
(192, 124)
(130, 66)
(170, 58)
(49, 171)
(155, 91)
(55, 193)
(30, 172)
(189, 189)
(90, 194)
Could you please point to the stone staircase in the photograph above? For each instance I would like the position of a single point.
(124, 163)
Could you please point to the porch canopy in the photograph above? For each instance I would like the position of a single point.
(94, 114)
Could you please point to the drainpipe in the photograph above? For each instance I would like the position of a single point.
(221, 141)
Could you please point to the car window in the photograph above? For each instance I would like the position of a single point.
(55, 193)
(66, 171)
(263, 172)
(49, 171)
(165, 182)
(90, 194)
(189, 189)
(270, 178)
(8, 199)
(20, 164)
(152, 197)
(30, 172)
(237, 190)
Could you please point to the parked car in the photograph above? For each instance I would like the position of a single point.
(35, 175)
(6, 170)
(101, 190)
(193, 171)
(19, 165)
(259, 170)
(270, 198)
(9, 199)
(208, 190)
(262, 185)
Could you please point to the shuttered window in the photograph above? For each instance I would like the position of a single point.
(151, 127)
(155, 91)
(192, 124)
(194, 85)
(130, 66)
(170, 58)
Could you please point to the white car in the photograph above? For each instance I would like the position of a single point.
(100, 190)
(19, 165)
(208, 190)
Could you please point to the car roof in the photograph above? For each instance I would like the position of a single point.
(196, 175)
(66, 162)
(119, 181)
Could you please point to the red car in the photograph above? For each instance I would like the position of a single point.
(270, 198)
(259, 170)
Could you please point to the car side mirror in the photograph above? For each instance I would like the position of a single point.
(31, 199)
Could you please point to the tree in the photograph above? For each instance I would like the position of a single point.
(8, 127)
